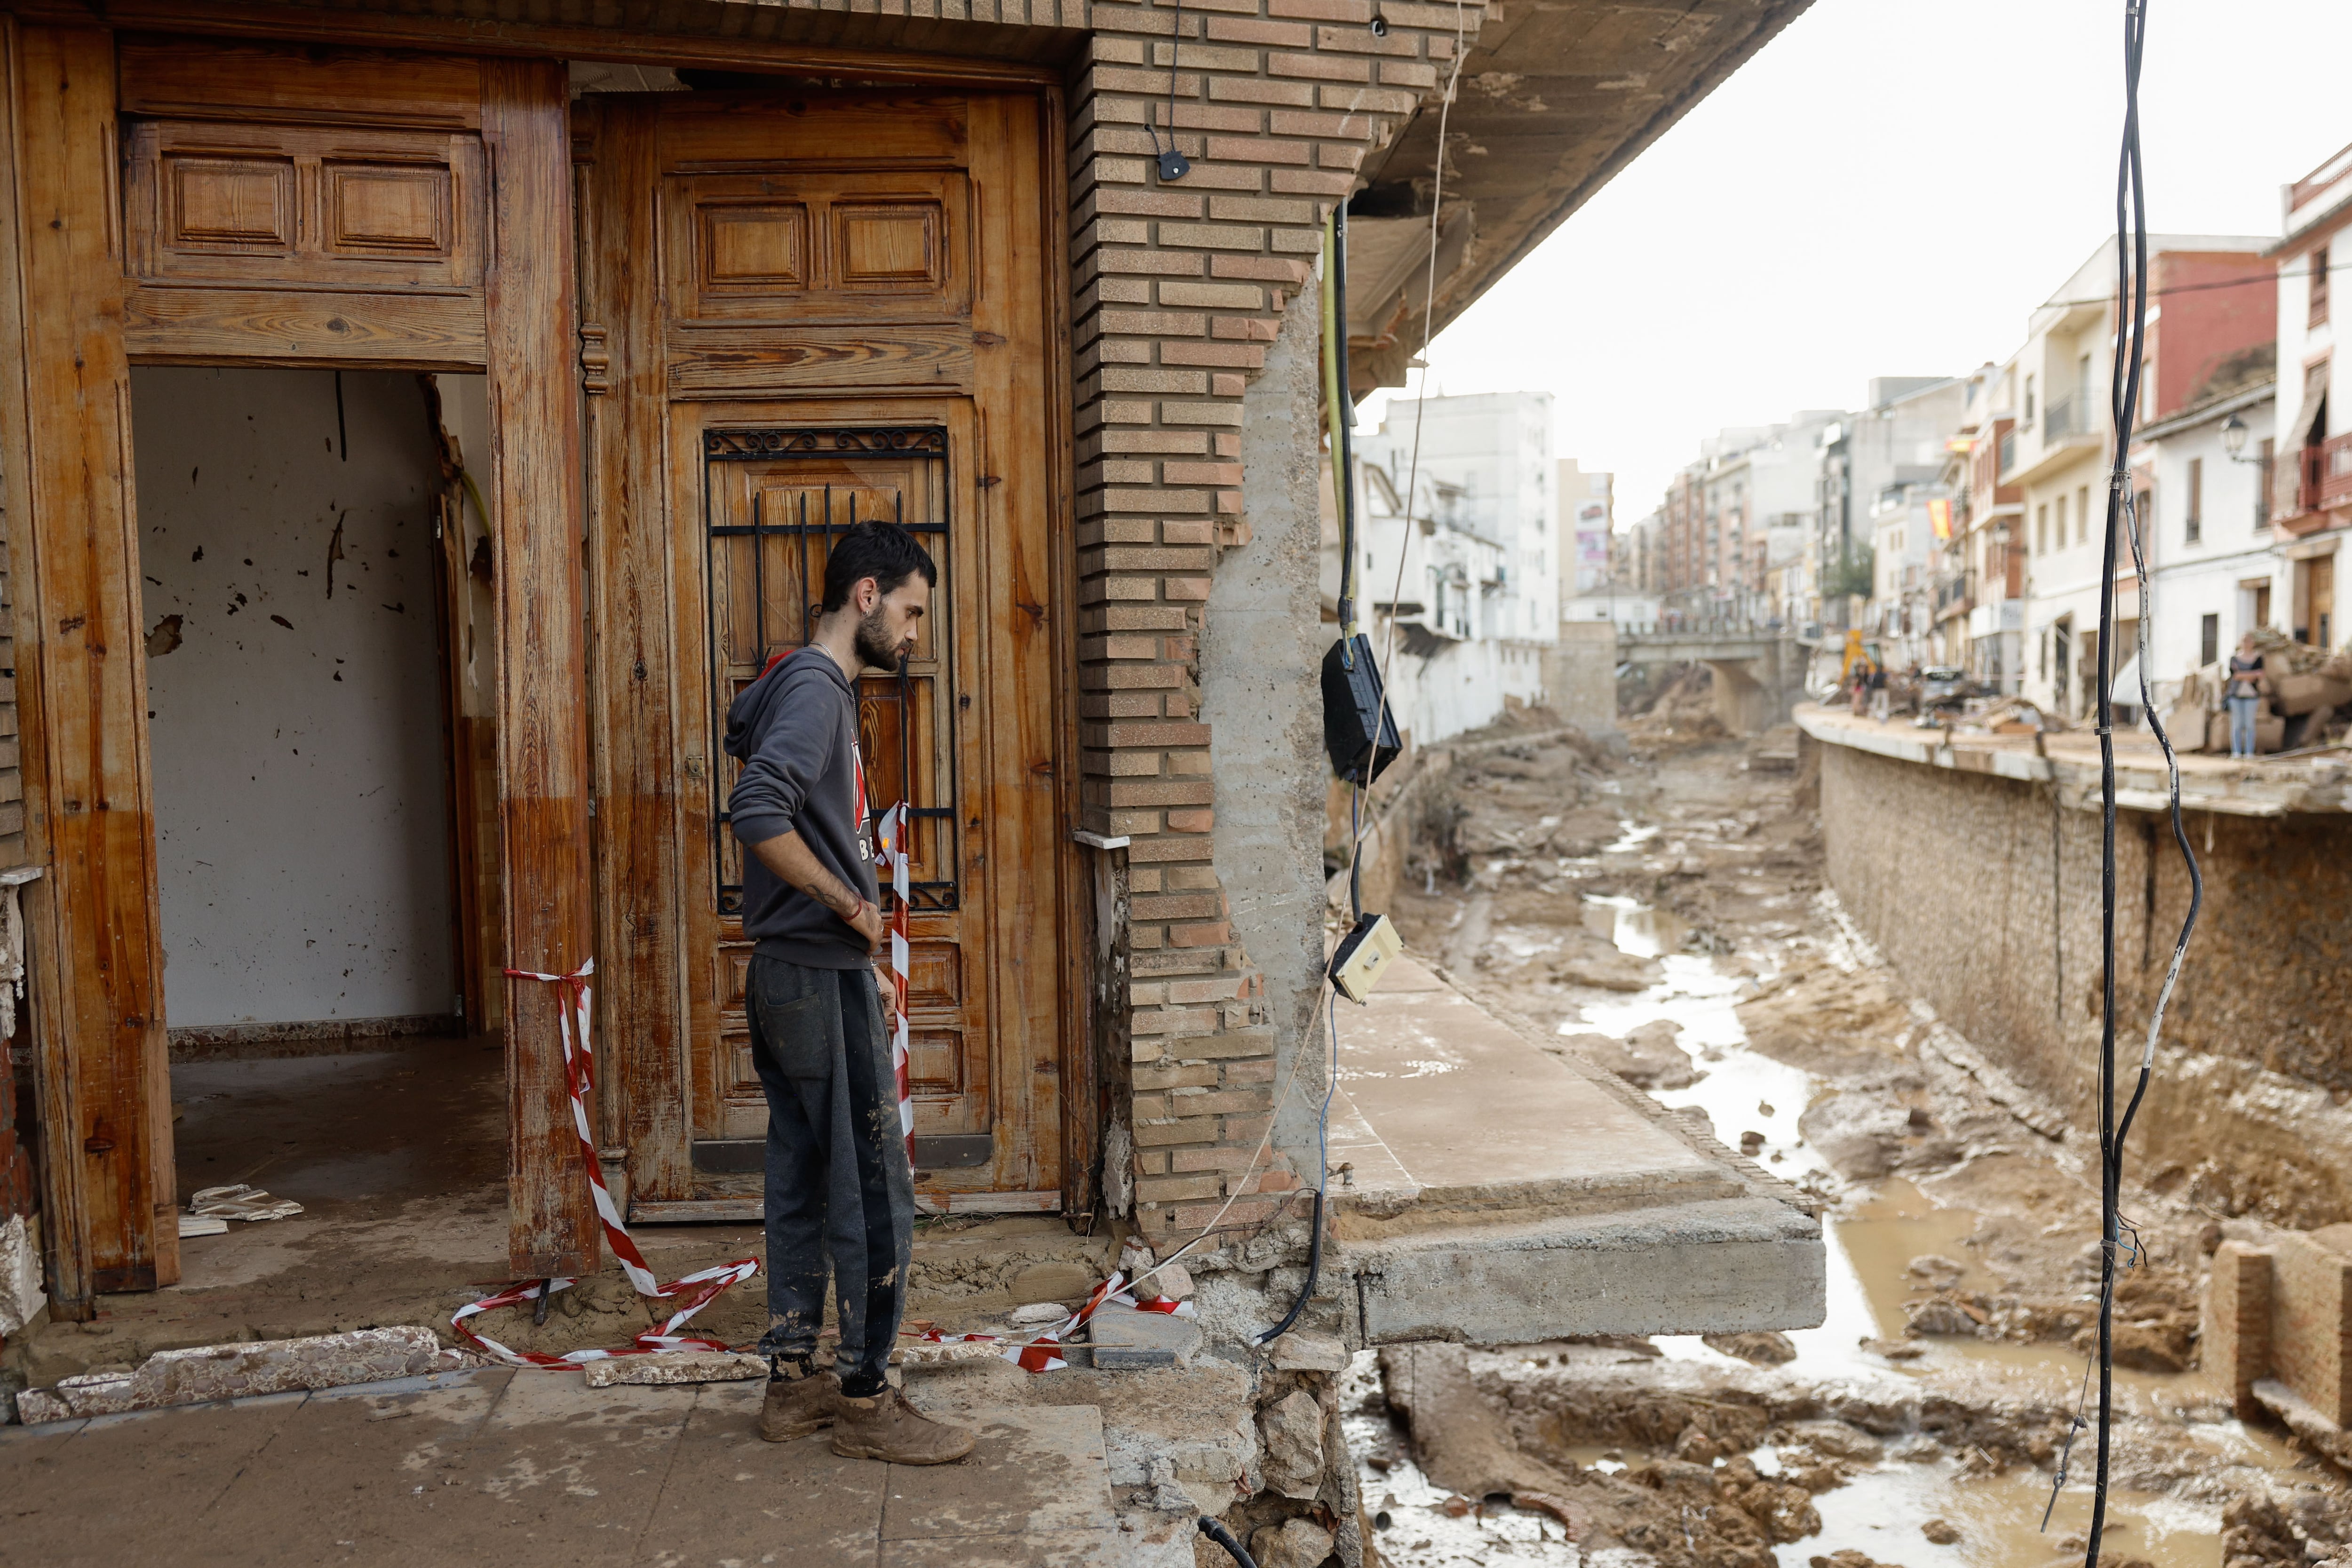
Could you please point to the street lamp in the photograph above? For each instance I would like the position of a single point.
(2233, 440)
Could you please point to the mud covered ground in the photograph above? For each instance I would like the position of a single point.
(1664, 910)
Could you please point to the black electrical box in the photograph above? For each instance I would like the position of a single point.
(1354, 713)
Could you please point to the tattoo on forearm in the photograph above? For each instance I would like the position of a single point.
(829, 892)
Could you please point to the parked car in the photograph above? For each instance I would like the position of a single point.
(1945, 686)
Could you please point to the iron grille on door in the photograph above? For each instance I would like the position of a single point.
(774, 501)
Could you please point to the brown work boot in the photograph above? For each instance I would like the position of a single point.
(886, 1427)
(796, 1407)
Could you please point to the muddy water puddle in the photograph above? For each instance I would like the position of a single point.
(1871, 1244)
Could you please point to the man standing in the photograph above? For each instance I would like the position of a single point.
(837, 1174)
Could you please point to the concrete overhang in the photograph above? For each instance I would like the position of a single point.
(1501, 1191)
(1553, 101)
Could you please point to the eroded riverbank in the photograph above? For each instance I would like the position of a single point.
(1666, 915)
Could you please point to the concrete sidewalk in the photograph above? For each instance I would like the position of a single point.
(519, 1468)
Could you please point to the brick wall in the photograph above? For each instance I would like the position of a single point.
(1983, 894)
(1179, 291)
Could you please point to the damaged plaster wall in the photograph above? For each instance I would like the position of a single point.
(294, 724)
(1261, 660)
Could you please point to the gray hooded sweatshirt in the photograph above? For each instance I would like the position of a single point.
(795, 729)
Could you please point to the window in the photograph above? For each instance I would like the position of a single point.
(2209, 638)
(2193, 524)
(2147, 391)
(2083, 515)
(2029, 402)
(2042, 530)
(2318, 286)
(2262, 486)
(2062, 520)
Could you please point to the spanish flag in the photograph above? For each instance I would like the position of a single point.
(1940, 517)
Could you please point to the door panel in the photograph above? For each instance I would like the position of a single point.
(827, 305)
(776, 497)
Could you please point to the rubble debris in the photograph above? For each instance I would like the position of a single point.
(677, 1366)
(194, 1225)
(1032, 1313)
(1295, 1544)
(1941, 1532)
(201, 1375)
(241, 1202)
(1293, 1431)
(21, 1296)
(1760, 1349)
(1648, 1057)
(1126, 1340)
(1301, 1351)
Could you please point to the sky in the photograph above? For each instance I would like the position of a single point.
(1888, 188)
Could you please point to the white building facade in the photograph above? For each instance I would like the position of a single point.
(1468, 565)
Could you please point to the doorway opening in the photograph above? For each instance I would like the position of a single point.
(319, 641)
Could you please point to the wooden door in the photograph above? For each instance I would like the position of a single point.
(812, 310)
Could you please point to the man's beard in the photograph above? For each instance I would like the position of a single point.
(877, 649)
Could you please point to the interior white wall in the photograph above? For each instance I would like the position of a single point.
(295, 733)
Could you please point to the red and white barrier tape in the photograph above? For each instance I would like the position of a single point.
(1043, 1352)
(692, 1293)
(891, 843)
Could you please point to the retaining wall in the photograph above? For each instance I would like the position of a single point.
(1983, 893)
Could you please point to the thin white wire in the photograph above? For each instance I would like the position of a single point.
(1412, 472)
(1297, 1060)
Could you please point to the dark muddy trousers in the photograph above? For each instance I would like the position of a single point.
(838, 1175)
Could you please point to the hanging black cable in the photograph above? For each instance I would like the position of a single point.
(2124, 388)
(1224, 1538)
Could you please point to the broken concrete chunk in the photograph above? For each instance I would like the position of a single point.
(948, 1352)
(1648, 1058)
(1296, 1543)
(1037, 1312)
(677, 1366)
(34, 1408)
(1126, 1340)
(1763, 1349)
(20, 1271)
(1293, 1430)
(200, 1375)
(1299, 1350)
(1858, 1133)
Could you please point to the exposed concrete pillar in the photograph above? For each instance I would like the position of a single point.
(1581, 676)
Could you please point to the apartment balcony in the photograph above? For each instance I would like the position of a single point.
(1954, 595)
(2069, 429)
(2326, 482)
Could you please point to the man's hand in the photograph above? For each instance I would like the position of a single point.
(888, 983)
(790, 857)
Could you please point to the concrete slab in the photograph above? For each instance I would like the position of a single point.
(526, 1469)
(1503, 1195)
(1462, 1105)
(1035, 1469)
(731, 1497)
(1058, 1549)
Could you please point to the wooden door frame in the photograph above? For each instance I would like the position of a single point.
(648, 1010)
(97, 1000)
(95, 942)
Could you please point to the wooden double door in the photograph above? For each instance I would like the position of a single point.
(800, 312)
